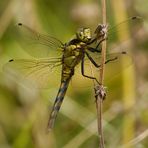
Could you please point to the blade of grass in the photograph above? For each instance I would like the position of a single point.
(128, 77)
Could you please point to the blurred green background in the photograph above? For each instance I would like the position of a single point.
(24, 110)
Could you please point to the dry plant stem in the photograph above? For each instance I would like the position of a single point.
(100, 95)
(103, 53)
(99, 114)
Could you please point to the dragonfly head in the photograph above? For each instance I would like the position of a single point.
(101, 31)
(84, 34)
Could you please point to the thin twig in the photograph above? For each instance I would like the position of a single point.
(100, 95)
(100, 91)
(99, 120)
(103, 53)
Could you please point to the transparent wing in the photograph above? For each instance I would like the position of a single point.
(36, 44)
(122, 28)
(39, 72)
(131, 22)
(115, 64)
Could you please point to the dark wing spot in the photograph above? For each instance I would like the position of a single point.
(11, 60)
(19, 24)
(134, 17)
(124, 52)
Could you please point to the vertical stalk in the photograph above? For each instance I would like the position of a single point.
(103, 53)
(101, 94)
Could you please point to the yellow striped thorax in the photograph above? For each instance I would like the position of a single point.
(72, 55)
(74, 50)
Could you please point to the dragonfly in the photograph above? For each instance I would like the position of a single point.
(73, 53)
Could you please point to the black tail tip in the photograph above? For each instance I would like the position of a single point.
(11, 60)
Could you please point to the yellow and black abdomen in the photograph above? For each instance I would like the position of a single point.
(57, 103)
(71, 57)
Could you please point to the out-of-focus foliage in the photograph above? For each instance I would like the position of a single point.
(24, 110)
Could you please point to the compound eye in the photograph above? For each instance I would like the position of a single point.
(81, 35)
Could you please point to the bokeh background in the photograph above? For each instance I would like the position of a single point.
(24, 110)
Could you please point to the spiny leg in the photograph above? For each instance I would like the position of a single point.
(95, 64)
(109, 60)
(92, 60)
(100, 43)
(94, 49)
(82, 71)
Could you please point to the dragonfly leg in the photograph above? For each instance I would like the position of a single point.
(95, 64)
(92, 60)
(94, 49)
(100, 42)
(82, 71)
(109, 60)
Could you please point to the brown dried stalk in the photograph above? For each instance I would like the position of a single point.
(99, 90)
